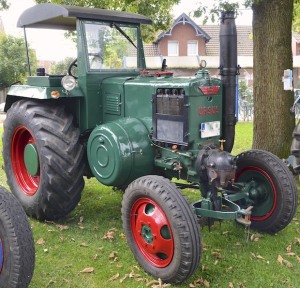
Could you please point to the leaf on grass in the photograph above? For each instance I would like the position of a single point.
(50, 283)
(122, 235)
(62, 227)
(257, 256)
(291, 254)
(41, 241)
(255, 237)
(229, 269)
(116, 276)
(95, 257)
(298, 259)
(280, 259)
(231, 285)
(238, 244)
(110, 235)
(297, 241)
(112, 255)
(217, 254)
(260, 257)
(87, 270)
(199, 282)
(83, 244)
(46, 250)
(284, 262)
(289, 248)
(287, 263)
(124, 278)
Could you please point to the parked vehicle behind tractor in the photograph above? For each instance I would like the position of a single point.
(138, 130)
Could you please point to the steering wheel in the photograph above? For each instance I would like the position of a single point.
(72, 65)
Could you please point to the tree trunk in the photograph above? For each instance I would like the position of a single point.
(273, 123)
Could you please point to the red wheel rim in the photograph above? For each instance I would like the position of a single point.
(152, 232)
(264, 178)
(28, 183)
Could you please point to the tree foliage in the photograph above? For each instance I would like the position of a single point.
(296, 22)
(13, 64)
(61, 67)
(157, 10)
(4, 5)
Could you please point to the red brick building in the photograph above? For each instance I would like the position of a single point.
(186, 44)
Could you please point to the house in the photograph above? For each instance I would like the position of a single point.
(186, 44)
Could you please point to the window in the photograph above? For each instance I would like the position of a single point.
(111, 46)
(173, 48)
(192, 48)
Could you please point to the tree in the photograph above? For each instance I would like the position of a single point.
(4, 5)
(157, 10)
(296, 19)
(61, 67)
(272, 52)
(13, 64)
(272, 24)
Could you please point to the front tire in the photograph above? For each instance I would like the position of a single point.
(273, 191)
(17, 254)
(43, 159)
(161, 229)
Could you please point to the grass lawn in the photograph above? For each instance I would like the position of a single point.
(88, 249)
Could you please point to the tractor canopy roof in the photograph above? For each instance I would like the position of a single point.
(64, 17)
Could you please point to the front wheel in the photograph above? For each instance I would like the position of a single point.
(161, 229)
(17, 255)
(43, 158)
(272, 190)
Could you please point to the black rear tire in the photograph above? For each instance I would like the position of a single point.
(17, 254)
(53, 188)
(161, 229)
(295, 148)
(276, 196)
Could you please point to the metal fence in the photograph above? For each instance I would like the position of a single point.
(245, 110)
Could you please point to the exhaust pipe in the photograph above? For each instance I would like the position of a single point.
(228, 71)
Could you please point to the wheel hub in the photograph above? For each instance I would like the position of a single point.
(147, 234)
(152, 232)
(31, 159)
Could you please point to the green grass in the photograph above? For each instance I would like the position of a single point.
(62, 252)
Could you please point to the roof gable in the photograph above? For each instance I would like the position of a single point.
(183, 19)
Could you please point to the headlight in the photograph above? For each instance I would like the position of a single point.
(68, 82)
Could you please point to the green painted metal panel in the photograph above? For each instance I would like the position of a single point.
(120, 151)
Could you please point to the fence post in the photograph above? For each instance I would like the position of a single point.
(3, 94)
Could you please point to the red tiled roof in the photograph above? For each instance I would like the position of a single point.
(244, 38)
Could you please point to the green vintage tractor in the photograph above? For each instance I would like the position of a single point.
(138, 130)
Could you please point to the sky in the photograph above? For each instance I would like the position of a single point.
(37, 37)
